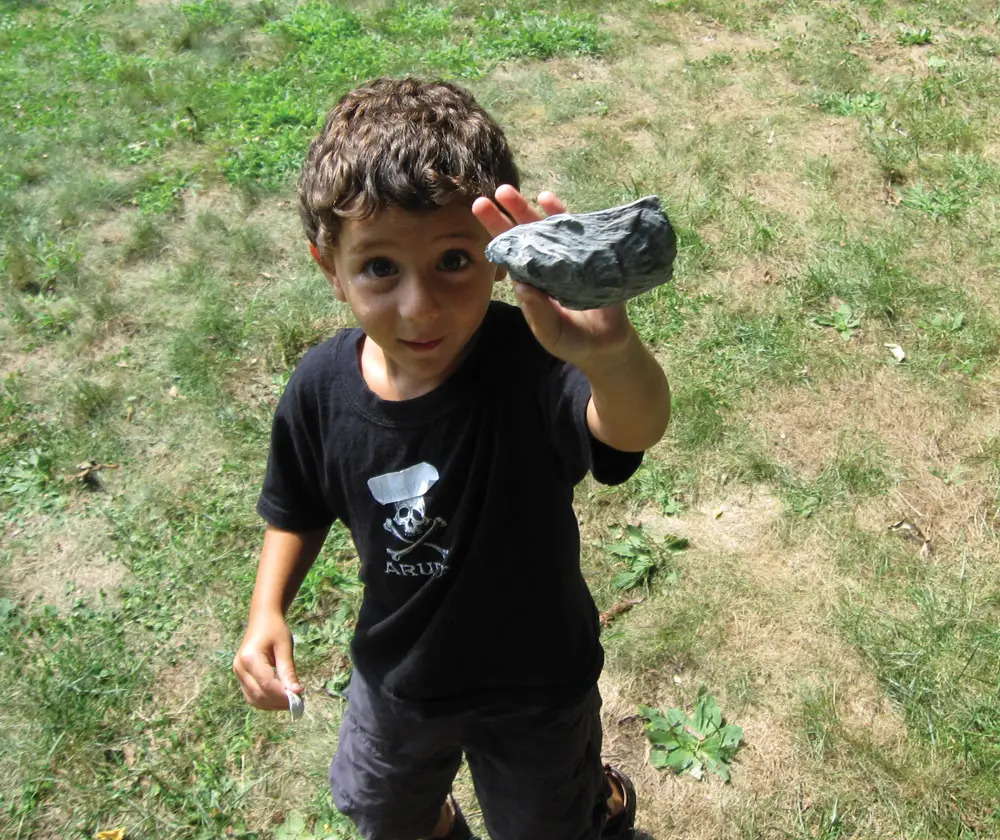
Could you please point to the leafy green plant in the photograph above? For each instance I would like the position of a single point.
(914, 37)
(162, 193)
(640, 558)
(850, 104)
(692, 743)
(938, 202)
(951, 478)
(297, 827)
(843, 320)
(943, 322)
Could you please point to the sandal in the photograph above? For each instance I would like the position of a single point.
(621, 825)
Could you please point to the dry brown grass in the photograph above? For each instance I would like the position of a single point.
(923, 433)
(777, 608)
(67, 561)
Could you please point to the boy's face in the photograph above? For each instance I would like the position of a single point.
(419, 285)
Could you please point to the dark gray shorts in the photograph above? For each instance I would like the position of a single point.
(537, 772)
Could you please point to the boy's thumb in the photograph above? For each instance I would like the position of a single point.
(285, 666)
(288, 678)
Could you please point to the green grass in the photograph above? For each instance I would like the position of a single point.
(831, 174)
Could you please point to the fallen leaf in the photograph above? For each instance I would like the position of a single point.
(909, 531)
(111, 834)
(621, 607)
(898, 353)
(87, 472)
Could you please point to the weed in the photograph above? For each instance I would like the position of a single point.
(843, 319)
(910, 37)
(664, 484)
(943, 323)
(162, 192)
(938, 202)
(852, 104)
(692, 743)
(641, 562)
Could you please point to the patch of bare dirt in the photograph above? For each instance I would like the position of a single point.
(891, 60)
(753, 286)
(113, 231)
(944, 485)
(727, 525)
(32, 363)
(699, 43)
(178, 683)
(858, 189)
(780, 190)
(67, 563)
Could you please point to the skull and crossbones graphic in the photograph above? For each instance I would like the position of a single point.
(410, 524)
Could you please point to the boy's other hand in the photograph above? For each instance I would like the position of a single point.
(264, 663)
(591, 339)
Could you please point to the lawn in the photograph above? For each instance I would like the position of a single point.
(815, 544)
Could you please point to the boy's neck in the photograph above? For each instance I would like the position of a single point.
(379, 378)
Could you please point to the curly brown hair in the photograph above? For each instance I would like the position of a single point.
(404, 142)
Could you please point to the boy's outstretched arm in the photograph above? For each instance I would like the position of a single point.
(264, 664)
(630, 403)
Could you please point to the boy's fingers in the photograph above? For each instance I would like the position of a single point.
(286, 673)
(510, 208)
(540, 313)
(516, 205)
(257, 679)
(491, 216)
(551, 203)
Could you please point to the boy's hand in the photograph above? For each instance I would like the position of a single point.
(630, 399)
(264, 663)
(592, 339)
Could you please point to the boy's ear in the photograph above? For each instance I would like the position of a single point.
(500, 275)
(331, 276)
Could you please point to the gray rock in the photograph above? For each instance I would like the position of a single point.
(589, 260)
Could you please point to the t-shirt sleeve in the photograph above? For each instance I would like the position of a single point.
(293, 496)
(568, 394)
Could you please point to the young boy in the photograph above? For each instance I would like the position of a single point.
(448, 432)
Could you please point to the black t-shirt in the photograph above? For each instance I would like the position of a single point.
(460, 506)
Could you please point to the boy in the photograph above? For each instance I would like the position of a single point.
(448, 432)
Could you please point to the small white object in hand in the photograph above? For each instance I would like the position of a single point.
(296, 705)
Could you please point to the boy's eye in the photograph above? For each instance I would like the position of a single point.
(379, 267)
(454, 261)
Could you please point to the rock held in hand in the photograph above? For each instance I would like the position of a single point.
(590, 260)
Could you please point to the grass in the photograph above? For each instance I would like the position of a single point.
(830, 172)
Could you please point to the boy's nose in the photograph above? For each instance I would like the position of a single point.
(418, 300)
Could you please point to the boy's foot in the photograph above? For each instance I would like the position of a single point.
(620, 825)
(459, 827)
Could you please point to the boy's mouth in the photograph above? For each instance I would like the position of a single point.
(422, 346)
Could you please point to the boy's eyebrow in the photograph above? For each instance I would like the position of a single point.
(369, 244)
(376, 242)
